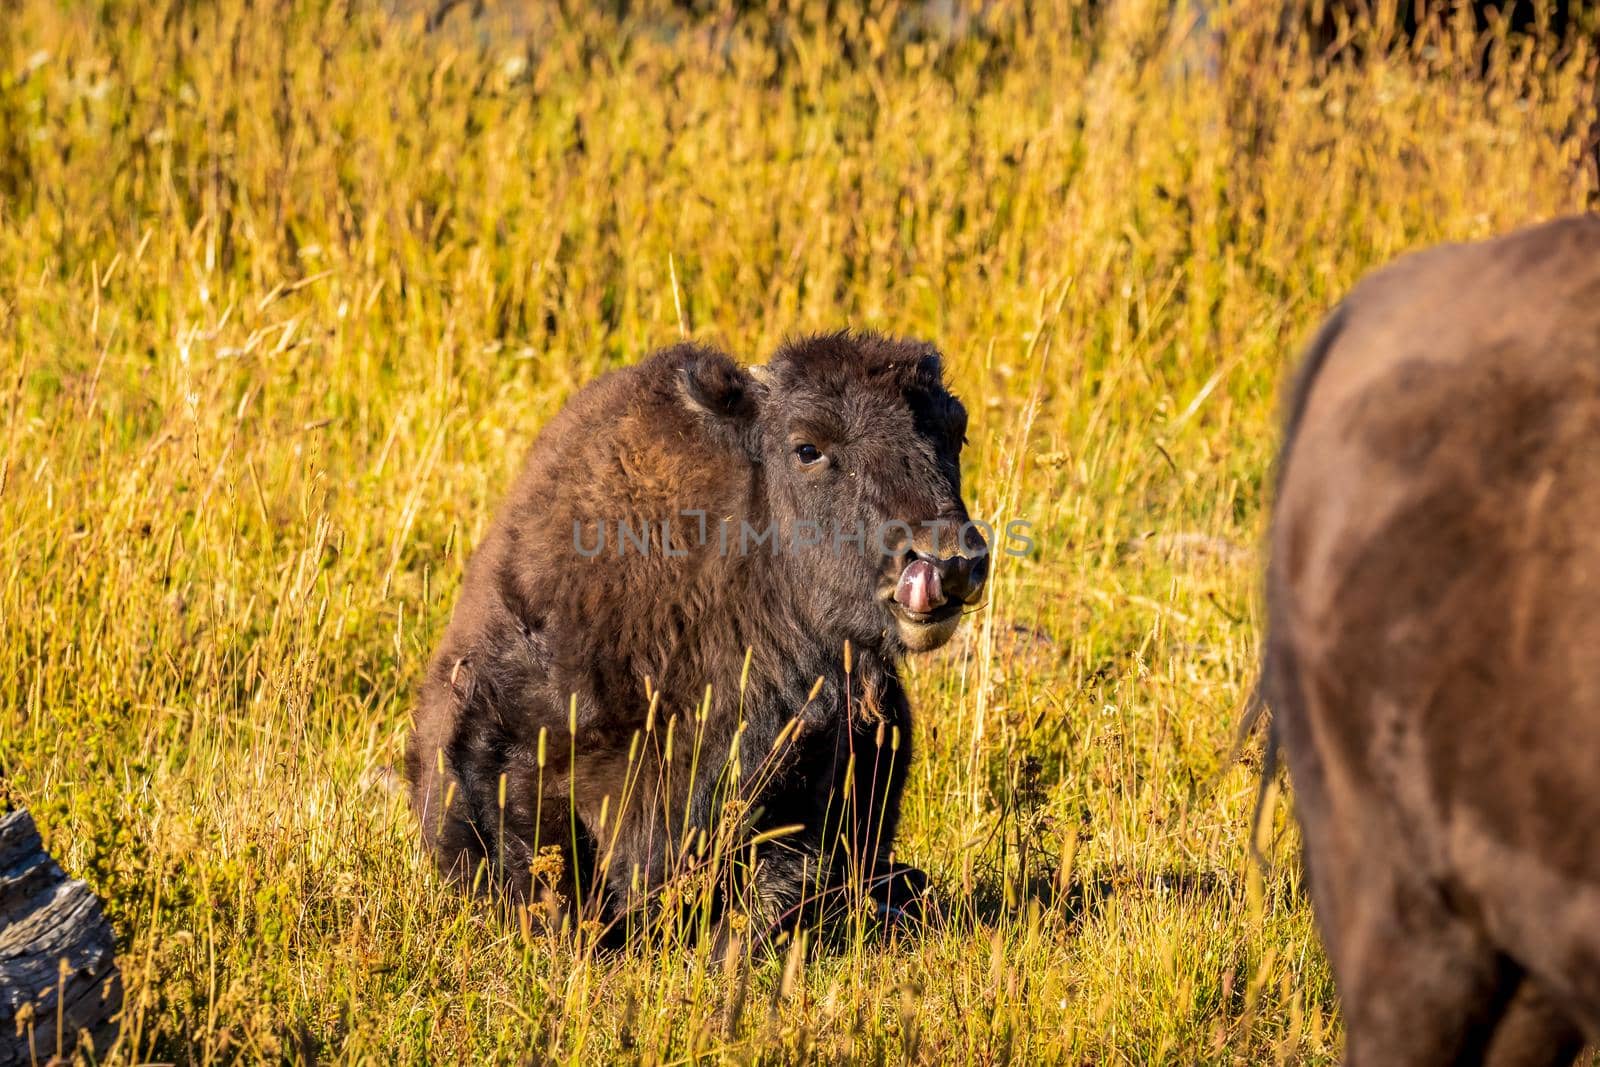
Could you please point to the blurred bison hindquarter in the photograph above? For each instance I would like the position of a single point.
(629, 557)
(1434, 615)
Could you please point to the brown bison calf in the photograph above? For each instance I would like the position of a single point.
(1433, 656)
(683, 628)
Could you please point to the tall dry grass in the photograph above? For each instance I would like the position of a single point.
(286, 288)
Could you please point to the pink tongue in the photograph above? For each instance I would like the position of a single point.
(919, 588)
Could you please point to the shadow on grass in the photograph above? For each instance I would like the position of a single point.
(993, 900)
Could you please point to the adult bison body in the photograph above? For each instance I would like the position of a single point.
(1433, 657)
(683, 628)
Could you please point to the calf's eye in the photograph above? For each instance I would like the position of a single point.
(807, 453)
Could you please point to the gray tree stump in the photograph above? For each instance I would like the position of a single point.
(58, 973)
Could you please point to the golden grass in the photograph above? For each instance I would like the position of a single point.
(286, 289)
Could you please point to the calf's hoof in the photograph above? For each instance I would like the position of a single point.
(903, 897)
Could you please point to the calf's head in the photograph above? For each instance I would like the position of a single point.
(858, 445)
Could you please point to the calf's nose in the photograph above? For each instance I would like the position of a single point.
(962, 577)
(929, 581)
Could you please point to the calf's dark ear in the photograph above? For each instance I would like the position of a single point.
(722, 393)
(715, 385)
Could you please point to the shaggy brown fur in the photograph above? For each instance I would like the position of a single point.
(1433, 660)
(845, 431)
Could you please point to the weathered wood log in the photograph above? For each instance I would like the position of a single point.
(58, 975)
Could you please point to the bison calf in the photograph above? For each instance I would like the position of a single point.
(683, 628)
(1433, 656)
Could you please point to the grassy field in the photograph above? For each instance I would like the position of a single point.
(287, 288)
